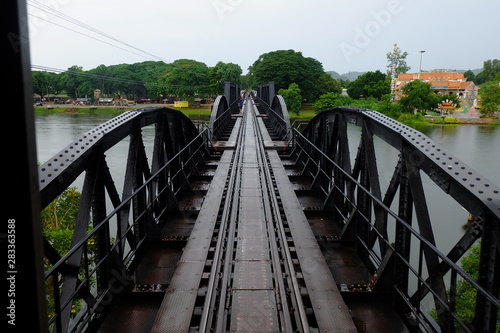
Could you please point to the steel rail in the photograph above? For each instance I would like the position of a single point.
(270, 217)
(220, 252)
(214, 317)
(274, 214)
(221, 320)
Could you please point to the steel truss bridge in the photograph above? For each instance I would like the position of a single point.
(252, 226)
(246, 226)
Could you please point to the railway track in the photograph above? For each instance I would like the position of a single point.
(249, 262)
(252, 285)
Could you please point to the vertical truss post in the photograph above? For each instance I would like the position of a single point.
(363, 202)
(102, 237)
(425, 228)
(344, 161)
(380, 222)
(21, 206)
(403, 235)
(489, 275)
(81, 226)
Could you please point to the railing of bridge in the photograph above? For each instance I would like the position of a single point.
(277, 114)
(222, 112)
(82, 283)
(393, 231)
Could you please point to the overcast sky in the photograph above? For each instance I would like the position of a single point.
(344, 35)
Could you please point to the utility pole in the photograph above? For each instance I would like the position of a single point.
(420, 68)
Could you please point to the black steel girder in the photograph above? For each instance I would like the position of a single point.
(354, 195)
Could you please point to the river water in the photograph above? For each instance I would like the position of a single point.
(476, 145)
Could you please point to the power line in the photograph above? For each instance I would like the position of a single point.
(81, 33)
(86, 74)
(51, 11)
(110, 78)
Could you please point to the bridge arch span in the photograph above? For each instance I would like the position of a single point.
(276, 111)
(120, 225)
(220, 116)
(470, 189)
(387, 225)
(280, 118)
(173, 132)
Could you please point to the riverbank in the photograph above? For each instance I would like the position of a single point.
(203, 112)
(304, 115)
(479, 121)
(82, 109)
(460, 121)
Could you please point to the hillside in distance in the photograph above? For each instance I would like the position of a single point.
(351, 76)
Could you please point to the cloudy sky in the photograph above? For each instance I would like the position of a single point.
(344, 35)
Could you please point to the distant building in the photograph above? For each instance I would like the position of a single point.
(442, 82)
(106, 101)
(82, 101)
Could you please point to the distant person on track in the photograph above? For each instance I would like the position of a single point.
(240, 104)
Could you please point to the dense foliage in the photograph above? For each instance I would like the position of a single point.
(465, 293)
(491, 69)
(186, 79)
(155, 80)
(490, 95)
(418, 96)
(58, 225)
(371, 84)
(292, 97)
(285, 67)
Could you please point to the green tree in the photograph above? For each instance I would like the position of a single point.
(418, 96)
(490, 69)
(58, 225)
(45, 83)
(185, 78)
(325, 84)
(86, 88)
(150, 73)
(147, 70)
(332, 100)
(371, 84)
(285, 67)
(292, 97)
(490, 96)
(101, 80)
(399, 59)
(466, 294)
(125, 81)
(470, 76)
(224, 72)
(59, 218)
(247, 81)
(71, 80)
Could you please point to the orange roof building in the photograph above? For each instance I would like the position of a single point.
(442, 82)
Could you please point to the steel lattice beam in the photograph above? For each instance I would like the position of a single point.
(150, 190)
(322, 146)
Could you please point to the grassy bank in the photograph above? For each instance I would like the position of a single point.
(82, 110)
(203, 112)
(307, 112)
